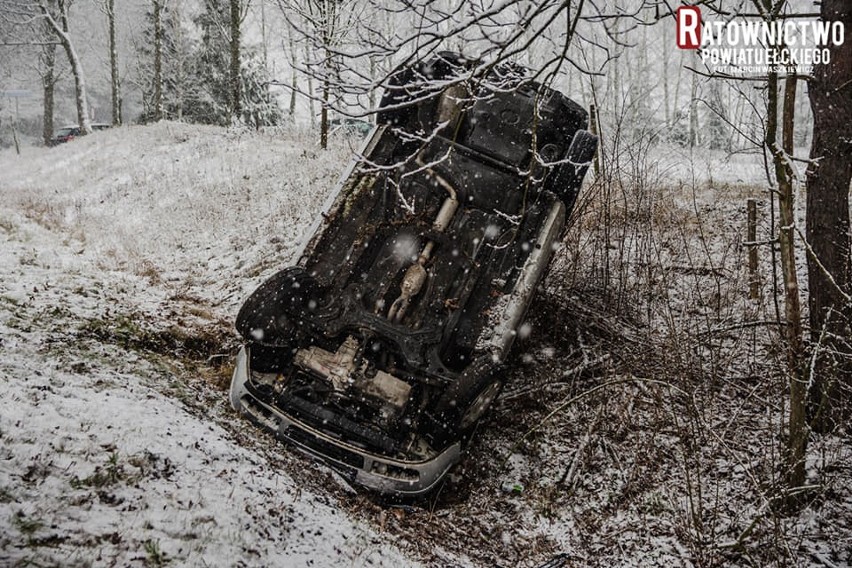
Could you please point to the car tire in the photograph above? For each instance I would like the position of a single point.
(397, 107)
(466, 401)
(271, 312)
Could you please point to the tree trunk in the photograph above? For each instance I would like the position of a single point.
(179, 58)
(236, 86)
(828, 181)
(158, 62)
(666, 98)
(61, 30)
(372, 95)
(263, 38)
(798, 434)
(113, 65)
(293, 89)
(48, 81)
(693, 111)
(324, 114)
(311, 92)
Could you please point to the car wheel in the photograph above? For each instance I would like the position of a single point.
(397, 106)
(467, 400)
(271, 311)
(480, 405)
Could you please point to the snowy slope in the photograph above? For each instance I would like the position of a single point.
(107, 237)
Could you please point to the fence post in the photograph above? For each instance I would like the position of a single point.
(593, 128)
(751, 238)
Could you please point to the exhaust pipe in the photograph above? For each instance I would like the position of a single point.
(416, 274)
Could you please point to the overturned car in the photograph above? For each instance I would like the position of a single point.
(382, 348)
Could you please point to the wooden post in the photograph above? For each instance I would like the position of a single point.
(751, 238)
(15, 138)
(593, 128)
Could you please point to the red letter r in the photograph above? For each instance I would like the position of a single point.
(689, 27)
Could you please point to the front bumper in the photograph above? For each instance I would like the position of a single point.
(370, 470)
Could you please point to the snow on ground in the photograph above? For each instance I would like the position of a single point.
(126, 254)
(195, 206)
(107, 235)
(713, 166)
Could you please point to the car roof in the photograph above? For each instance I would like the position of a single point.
(93, 124)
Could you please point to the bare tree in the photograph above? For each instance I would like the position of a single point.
(293, 77)
(323, 23)
(794, 335)
(358, 46)
(158, 60)
(108, 8)
(180, 59)
(782, 186)
(234, 77)
(48, 82)
(45, 22)
(828, 180)
(55, 13)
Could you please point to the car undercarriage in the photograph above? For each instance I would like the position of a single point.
(383, 346)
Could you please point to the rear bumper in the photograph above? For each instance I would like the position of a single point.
(370, 470)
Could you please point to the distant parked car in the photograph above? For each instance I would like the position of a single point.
(67, 133)
(351, 126)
